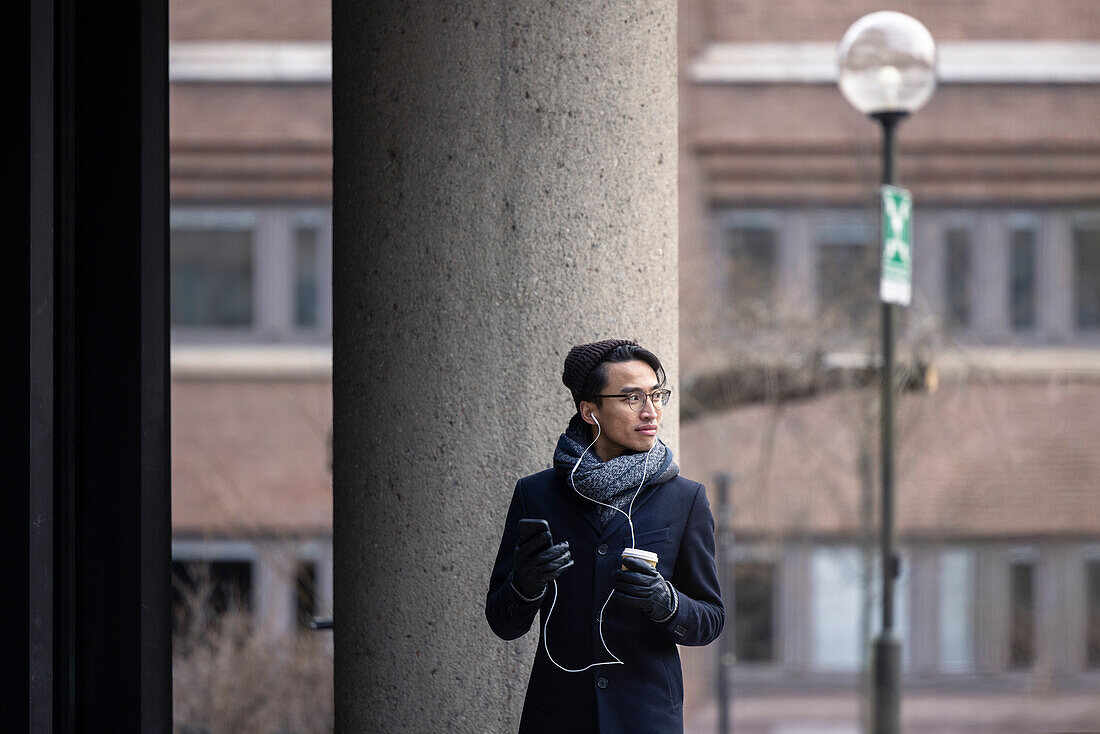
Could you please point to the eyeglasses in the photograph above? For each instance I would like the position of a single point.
(636, 400)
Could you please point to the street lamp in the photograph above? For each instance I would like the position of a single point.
(887, 70)
(887, 63)
(727, 643)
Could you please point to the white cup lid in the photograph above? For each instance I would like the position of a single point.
(642, 554)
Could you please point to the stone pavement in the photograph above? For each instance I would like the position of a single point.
(923, 712)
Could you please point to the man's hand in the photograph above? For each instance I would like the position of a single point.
(537, 562)
(642, 587)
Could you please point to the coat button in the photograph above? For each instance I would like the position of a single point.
(602, 550)
(602, 683)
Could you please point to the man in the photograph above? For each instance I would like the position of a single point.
(609, 625)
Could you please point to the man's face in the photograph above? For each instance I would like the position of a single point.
(621, 429)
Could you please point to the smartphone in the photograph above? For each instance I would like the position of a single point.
(529, 528)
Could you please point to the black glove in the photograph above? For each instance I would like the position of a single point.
(644, 588)
(537, 563)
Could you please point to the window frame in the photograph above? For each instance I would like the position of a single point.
(220, 219)
(274, 291)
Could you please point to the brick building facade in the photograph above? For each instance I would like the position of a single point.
(251, 188)
(997, 474)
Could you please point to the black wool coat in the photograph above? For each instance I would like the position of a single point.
(645, 695)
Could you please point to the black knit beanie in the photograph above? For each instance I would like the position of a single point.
(583, 358)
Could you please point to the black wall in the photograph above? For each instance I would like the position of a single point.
(85, 537)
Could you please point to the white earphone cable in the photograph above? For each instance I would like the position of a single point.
(554, 600)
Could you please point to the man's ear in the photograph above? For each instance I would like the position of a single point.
(586, 409)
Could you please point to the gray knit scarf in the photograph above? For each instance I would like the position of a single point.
(613, 482)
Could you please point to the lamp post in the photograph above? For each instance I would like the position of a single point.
(727, 643)
(887, 70)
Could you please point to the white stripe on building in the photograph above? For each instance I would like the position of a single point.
(959, 62)
(243, 61)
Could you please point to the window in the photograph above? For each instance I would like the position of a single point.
(203, 591)
(305, 592)
(1092, 614)
(1022, 278)
(250, 274)
(957, 264)
(1086, 276)
(306, 276)
(750, 264)
(956, 602)
(212, 274)
(754, 611)
(847, 275)
(836, 579)
(844, 597)
(1021, 652)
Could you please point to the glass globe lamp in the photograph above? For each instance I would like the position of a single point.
(887, 64)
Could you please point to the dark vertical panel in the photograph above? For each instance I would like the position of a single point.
(15, 410)
(155, 449)
(64, 364)
(40, 485)
(107, 308)
(120, 530)
(84, 520)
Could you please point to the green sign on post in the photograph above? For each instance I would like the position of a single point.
(896, 281)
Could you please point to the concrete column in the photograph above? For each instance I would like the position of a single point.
(504, 187)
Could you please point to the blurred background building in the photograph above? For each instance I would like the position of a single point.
(251, 249)
(998, 475)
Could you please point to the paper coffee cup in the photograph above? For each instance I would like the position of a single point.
(642, 555)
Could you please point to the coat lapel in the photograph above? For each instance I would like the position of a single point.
(590, 511)
(620, 519)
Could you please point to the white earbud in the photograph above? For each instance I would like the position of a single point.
(593, 417)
